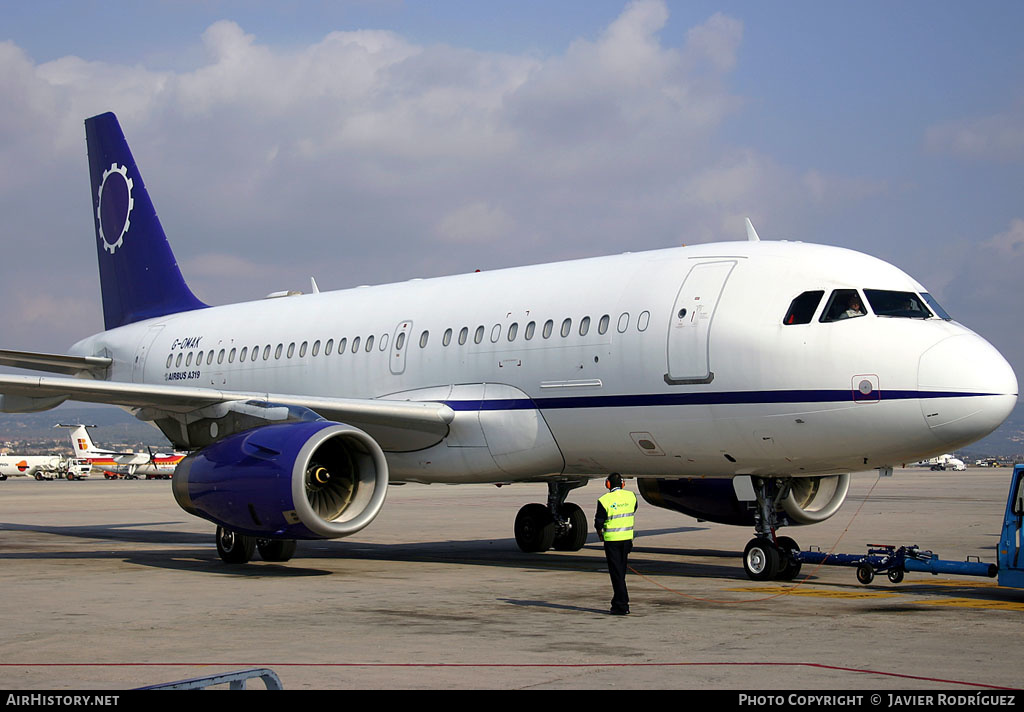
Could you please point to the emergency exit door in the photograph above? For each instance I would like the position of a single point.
(689, 333)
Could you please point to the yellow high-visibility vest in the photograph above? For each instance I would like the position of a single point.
(620, 506)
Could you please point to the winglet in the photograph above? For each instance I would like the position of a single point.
(751, 232)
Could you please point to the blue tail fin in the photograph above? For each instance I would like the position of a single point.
(139, 277)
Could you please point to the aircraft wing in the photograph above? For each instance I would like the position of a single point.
(398, 425)
(54, 363)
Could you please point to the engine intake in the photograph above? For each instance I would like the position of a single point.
(297, 480)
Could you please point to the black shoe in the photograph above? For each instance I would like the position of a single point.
(615, 612)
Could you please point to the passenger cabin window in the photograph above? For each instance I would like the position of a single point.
(843, 304)
(801, 310)
(906, 305)
(463, 335)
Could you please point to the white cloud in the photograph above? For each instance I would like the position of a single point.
(1009, 244)
(999, 137)
(331, 158)
(474, 223)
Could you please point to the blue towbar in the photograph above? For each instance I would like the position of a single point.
(894, 561)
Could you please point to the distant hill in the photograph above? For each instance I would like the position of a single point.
(114, 426)
(1006, 441)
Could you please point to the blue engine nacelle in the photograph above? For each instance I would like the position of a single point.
(296, 480)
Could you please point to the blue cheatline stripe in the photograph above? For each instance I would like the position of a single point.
(719, 398)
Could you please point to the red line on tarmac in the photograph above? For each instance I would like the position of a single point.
(819, 666)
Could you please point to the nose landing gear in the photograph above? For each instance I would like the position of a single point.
(768, 557)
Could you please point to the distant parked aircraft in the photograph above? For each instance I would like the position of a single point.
(125, 464)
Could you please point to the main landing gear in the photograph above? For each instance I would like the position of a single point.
(768, 557)
(235, 548)
(559, 525)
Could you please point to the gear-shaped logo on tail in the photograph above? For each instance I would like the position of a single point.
(114, 205)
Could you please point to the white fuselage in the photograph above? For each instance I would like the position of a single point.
(684, 368)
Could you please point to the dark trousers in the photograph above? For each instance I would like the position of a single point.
(616, 553)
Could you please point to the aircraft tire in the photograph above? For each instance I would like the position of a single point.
(789, 568)
(234, 548)
(761, 560)
(276, 549)
(576, 537)
(534, 528)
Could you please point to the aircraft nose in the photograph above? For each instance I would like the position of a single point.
(967, 389)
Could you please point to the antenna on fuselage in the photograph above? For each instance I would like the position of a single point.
(751, 232)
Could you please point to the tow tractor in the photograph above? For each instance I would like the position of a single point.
(894, 561)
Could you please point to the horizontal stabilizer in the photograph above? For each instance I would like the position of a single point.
(54, 363)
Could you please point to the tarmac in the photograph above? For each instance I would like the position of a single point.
(107, 585)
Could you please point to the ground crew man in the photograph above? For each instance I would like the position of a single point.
(614, 522)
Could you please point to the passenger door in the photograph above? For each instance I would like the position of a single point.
(689, 331)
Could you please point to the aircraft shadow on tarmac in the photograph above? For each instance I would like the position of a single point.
(481, 552)
(195, 552)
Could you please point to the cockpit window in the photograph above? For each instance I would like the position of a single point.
(843, 304)
(906, 305)
(939, 311)
(801, 311)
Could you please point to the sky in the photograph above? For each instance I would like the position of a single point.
(372, 141)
